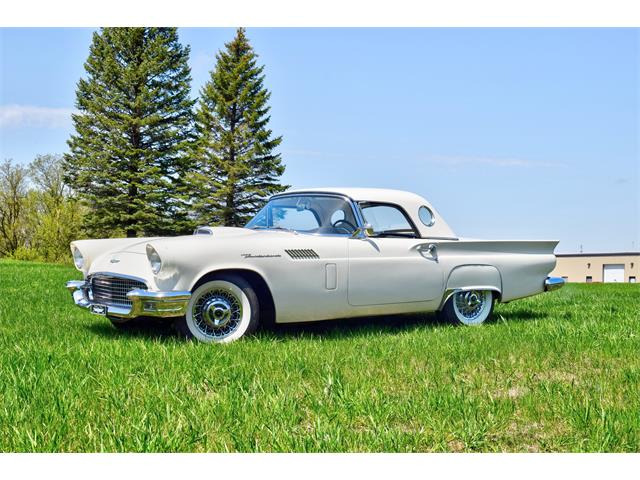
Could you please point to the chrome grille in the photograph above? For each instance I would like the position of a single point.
(112, 290)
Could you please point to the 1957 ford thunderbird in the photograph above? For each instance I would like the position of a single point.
(310, 255)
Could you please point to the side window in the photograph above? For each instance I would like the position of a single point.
(294, 219)
(387, 220)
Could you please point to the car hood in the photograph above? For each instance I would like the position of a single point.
(129, 256)
(138, 246)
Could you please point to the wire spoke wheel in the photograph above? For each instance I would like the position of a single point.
(221, 310)
(217, 312)
(470, 307)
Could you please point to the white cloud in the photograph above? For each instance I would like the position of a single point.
(32, 116)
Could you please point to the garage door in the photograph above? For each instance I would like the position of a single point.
(614, 273)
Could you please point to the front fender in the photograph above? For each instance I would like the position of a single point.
(94, 248)
(187, 274)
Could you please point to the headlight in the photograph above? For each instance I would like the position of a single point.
(154, 260)
(78, 259)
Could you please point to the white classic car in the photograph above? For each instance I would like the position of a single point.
(313, 254)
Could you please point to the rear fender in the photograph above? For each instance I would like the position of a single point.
(472, 277)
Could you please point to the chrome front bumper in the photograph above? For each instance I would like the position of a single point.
(553, 283)
(144, 303)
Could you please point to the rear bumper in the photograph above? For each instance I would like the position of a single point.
(553, 283)
(144, 303)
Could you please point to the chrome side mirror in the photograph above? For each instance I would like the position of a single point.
(363, 232)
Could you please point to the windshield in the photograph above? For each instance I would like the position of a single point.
(322, 214)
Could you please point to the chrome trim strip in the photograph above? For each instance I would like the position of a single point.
(553, 283)
(441, 238)
(143, 302)
(74, 285)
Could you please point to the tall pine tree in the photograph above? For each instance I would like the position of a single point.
(237, 167)
(128, 157)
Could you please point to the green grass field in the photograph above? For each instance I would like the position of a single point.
(556, 372)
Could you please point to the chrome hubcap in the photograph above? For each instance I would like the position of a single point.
(470, 304)
(217, 312)
(472, 299)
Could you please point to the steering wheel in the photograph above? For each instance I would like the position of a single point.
(338, 222)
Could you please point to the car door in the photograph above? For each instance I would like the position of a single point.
(307, 276)
(393, 265)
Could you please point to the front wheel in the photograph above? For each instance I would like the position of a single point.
(221, 310)
(470, 307)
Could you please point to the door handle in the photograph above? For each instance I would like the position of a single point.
(429, 251)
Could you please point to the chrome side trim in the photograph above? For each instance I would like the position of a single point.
(553, 283)
(143, 302)
(441, 238)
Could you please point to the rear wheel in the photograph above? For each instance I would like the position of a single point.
(470, 307)
(221, 310)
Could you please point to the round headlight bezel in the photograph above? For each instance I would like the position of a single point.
(78, 258)
(155, 262)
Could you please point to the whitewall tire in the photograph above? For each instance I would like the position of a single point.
(471, 308)
(221, 310)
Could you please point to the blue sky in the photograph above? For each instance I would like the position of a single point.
(510, 133)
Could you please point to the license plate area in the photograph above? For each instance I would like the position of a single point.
(98, 309)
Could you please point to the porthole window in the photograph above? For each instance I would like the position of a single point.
(426, 216)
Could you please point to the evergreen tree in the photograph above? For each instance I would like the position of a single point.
(237, 167)
(128, 156)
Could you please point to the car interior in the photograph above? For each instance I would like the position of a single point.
(322, 214)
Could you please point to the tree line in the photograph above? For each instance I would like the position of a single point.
(145, 158)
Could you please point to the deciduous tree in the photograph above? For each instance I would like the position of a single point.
(14, 185)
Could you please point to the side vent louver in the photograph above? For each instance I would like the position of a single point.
(302, 254)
